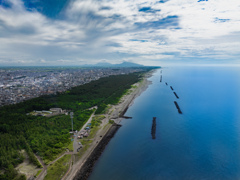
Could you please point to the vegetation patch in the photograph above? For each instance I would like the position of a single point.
(57, 170)
(134, 86)
(49, 136)
(86, 141)
(27, 168)
(107, 109)
(93, 132)
(111, 121)
(70, 146)
(83, 150)
(97, 120)
(38, 173)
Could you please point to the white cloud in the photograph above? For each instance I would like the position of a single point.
(43, 61)
(116, 30)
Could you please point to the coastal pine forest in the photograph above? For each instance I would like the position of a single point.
(47, 137)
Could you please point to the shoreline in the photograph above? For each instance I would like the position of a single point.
(87, 168)
(85, 165)
(128, 99)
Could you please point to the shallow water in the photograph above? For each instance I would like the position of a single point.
(202, 143)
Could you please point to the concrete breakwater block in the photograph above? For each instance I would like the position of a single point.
(178, 108)
(176, 95)
(153, 130)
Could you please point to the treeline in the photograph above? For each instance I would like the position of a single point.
(49, 136)
(99, 93)
(46, 137)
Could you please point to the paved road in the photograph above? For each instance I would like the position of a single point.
(97, 138)
(84, 157)
(75, 147)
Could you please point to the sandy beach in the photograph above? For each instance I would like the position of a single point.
(114, 112)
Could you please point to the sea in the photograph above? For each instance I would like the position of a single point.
(202, 143)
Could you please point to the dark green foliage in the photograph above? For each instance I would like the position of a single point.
(9, 174)
(32, 157)
(42, 135)
(21, 177)
(111, 121)
(9, 150)
(48, 136)
(104, 91)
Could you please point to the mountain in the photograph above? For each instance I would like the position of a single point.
(123, 64)
(128, 64)
(103, 64)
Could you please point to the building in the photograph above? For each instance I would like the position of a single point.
(56, 110)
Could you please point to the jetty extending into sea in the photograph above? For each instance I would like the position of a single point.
(178, 108)
(153, 130)
(176, 95)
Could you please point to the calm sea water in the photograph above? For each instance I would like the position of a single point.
(202, 143)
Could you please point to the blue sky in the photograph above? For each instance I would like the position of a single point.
(149, 32)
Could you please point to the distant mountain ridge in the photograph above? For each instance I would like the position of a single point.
(123, 64)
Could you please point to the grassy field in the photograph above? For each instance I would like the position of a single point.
(97, 120)
(82, 151)
(93, 132)
(59, 168)
(70, 146)
(38, 173)
(86, 144)
(26, 167)
(98, 117)
(106, 110)
(85, 141)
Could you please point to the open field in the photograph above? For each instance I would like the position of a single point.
(59, 168)
(26, 167)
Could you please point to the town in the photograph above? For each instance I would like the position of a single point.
(19, 84)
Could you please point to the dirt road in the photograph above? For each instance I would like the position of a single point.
(44, 170)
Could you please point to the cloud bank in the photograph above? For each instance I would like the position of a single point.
(75, 32)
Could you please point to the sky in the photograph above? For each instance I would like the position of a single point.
(148, 32)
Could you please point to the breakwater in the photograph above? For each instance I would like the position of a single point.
(135, 155)
(176, 95)
(126, 117)
(171, 87)
(121, 115)
(124, 111)
(87, 167)
(161, 78)
(153, 130)
(178, 108)
(166, 83)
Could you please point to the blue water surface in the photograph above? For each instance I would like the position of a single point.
(202, 143)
